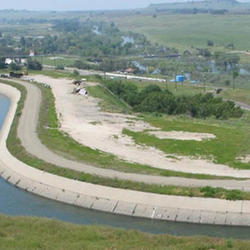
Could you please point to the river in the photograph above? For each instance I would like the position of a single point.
(14, 201)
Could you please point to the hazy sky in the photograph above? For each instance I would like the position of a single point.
(76, 4)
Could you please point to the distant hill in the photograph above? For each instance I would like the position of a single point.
(202, 6)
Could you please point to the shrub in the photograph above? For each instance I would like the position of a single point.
(34, 65)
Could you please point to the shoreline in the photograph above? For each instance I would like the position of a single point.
(114, 200)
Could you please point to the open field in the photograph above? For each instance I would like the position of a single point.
(240, 95)
(57, 60)
(182, 31)
(232, 140)
(36, 233)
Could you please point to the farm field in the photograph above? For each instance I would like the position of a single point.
(182, 31)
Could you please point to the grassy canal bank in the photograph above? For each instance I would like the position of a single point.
(36, 233)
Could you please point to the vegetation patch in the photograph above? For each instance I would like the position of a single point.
(36, 233)
(232, 139)
(154, 99)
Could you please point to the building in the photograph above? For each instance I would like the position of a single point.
(32, 53)
(9, 61)
(21, 61)
(131, 77)
(130, 71)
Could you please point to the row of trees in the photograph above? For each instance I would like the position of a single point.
(90, 38)
(154, 99)
(31, 64)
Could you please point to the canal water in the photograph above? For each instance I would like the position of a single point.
(14, 201)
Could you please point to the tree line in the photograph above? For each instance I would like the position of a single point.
(154, 99)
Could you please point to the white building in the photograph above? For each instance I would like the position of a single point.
(9, 61)
(131, 77)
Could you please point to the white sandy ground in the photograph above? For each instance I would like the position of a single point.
(182, 135)
(114, 200)
(244, 159)
(82, 119)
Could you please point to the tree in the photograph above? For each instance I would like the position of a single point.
(14, 66)
(235, 75)
(76, 73)
(2, 63)
(227, 83)
(34, 65)
(210, 43)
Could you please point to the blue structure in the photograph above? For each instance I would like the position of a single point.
(180, 78)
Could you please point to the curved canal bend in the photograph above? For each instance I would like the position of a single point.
(17, 202)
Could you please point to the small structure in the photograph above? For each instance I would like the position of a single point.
(77, 82)
(32, 53)
(9, 61)
(83, 92)
(132, 77)
(16, 60)
(4, 76)
(180, 78)
(130, 71)
(23, 61)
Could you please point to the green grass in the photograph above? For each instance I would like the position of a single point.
(36, 233)
(57, 60)
(108, 101)
(182, 89)
(15, 147)
(54, 74)
(183, 31)
(232, 138)
(240, 95)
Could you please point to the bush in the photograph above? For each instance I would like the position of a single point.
(34, 65)
(2, 63)
(210, 43)
(209, 192)
(76, 73)
(14, 66)
(60, 67)
(234, 195)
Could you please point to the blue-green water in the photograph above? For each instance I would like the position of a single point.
(14, 201)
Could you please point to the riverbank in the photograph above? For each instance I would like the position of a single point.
(32, 233)
(120, 201)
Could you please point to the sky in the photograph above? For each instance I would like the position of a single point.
(77, 4)
(80, 4)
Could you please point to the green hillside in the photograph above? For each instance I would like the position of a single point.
(205, 5)
(182, 31)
